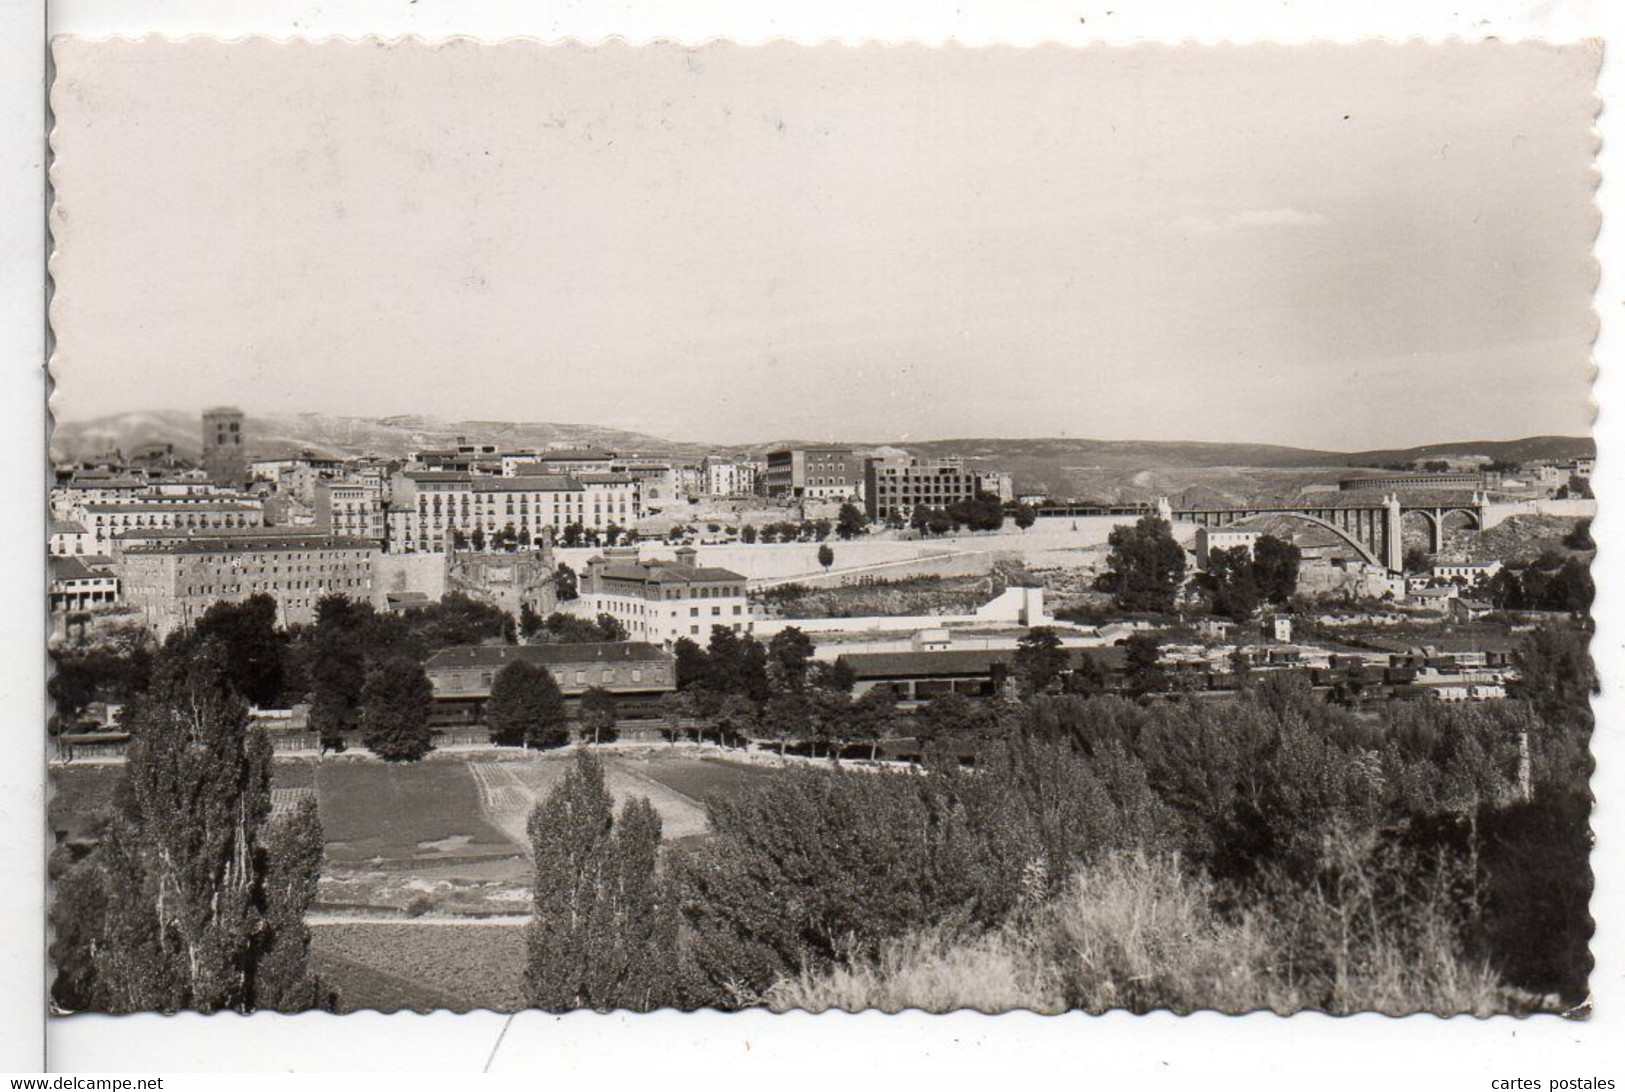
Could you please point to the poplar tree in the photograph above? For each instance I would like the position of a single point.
(604, 931)
(193, 899)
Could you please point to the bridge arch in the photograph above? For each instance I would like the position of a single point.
(1474, 520)
(1366, 553)
(1435, 531)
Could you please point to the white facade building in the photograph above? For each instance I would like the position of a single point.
(662, 601)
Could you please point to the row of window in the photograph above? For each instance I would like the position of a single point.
(277, 586)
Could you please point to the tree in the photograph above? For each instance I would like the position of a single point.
(1146, 565)
(526, 708)
(874, 718)
(597, 714)
(1417, 560)
(838, 676)
(747, 534)
(1236, 592)
(1025, 516)
(338, 667)
(673, 709)
(477, 539)
(395, 711)
(693, 663)
(1577, 487)
(956, 725)
(735, 718)
(736, 665)
(1087, 678)
(983, 512)
(1142, 666)
(1505, 590)
(193, 899)
(247, 633)
(1275, 569)
(787, 718)
(611, 628)
(1579, 536)
(789, 653)
(1571, 588)
(850, 522)
(1040, 659)
(530, 622)
(604, 932)
(826, 556)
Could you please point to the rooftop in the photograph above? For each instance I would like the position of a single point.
(254, 544)
(527, 483)
(157, 505)
(667, 572)
(545, 655)
(574, 454)
(71, 568)
(965, 661)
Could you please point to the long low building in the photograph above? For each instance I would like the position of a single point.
(636, 672)
(171, 585)
(921, 676)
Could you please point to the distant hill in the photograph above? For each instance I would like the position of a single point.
(275, 435)
(1517, 451)
(1106, 470)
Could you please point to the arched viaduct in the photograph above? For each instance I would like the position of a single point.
(1372, 524)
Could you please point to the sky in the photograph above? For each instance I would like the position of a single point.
(1343, 247)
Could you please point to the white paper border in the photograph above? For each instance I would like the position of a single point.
(709, 1049)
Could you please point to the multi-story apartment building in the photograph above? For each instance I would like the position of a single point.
(69, 538)
(69, 496)
(661, 601)
(816, 473)
(690, 480)
(105, 522)
(350, 508)
(729, 477)
(894, 485)
(428, 506)
(657, 481)
(172, 585)
(610, 499)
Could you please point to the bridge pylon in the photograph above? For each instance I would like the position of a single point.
(1393, 533)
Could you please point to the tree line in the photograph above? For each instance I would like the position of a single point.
(1331, 824)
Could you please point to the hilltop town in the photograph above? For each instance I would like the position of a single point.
(1376, 583)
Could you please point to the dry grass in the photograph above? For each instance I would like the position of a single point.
(1140, 933)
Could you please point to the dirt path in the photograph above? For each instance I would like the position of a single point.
(510, 790)
(505, 921)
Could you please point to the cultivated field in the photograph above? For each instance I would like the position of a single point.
(446, 835)
(439, 847)
(421, 966)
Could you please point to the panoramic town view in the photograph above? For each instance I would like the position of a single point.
(943, 710)
(1141, 562)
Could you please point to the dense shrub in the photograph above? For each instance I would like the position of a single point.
(1142, 933)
